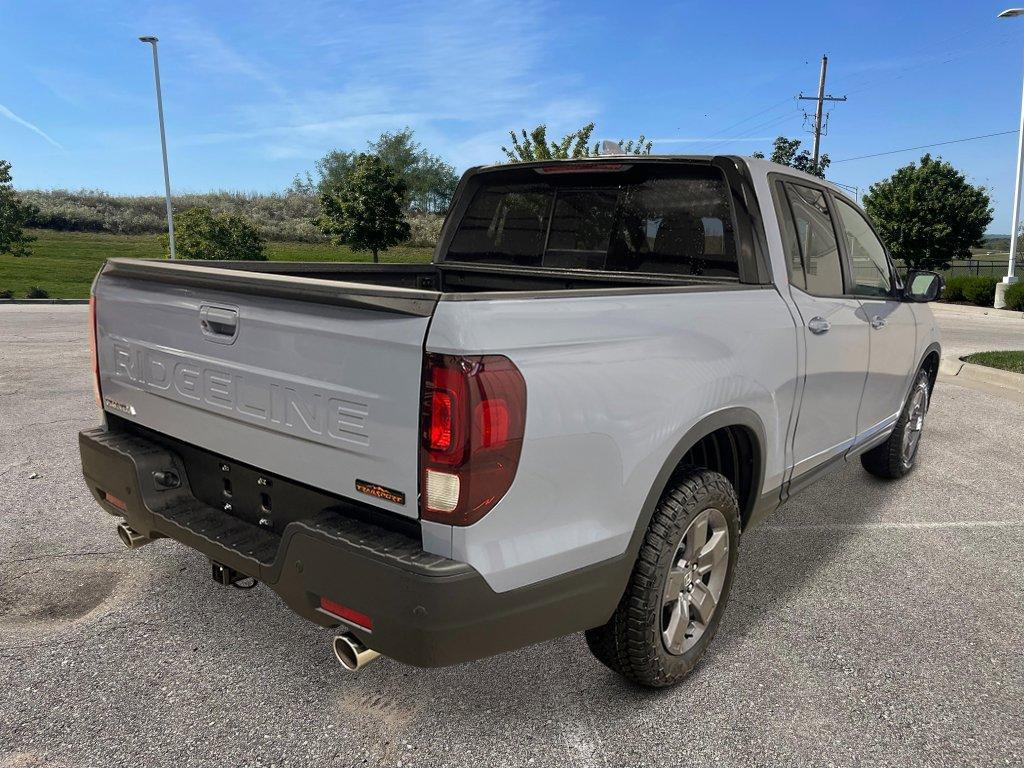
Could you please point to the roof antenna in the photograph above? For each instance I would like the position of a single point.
(609, 147)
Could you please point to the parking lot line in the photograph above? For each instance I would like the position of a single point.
(892, 526)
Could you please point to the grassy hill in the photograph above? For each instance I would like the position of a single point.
(65, 263)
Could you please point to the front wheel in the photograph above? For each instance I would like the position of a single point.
(895, 457)
(677, 593)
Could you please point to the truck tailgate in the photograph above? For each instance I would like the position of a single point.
(296, 376)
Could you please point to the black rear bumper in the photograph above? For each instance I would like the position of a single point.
(426, 610)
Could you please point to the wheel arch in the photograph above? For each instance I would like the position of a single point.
(738, 420)
(930, 362)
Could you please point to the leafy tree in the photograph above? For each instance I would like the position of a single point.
(928, 213)
(201, 234)
(429, 181)
(535, 145)
(366, 211)
(14, 214)
(787, 152)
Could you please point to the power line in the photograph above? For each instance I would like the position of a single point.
(751, 130)
(925, 146)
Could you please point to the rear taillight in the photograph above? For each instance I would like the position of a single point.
(94, 352)
(474, 414)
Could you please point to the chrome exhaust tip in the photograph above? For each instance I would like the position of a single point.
(132, 538)
(352, 654)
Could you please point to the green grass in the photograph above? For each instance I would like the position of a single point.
(64, 263)
(1007, 361)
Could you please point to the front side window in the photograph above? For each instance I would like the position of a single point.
(674, 220)
(816, 238)
(868, 263)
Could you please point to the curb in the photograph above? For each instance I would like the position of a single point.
(982, 373)
(43, 301)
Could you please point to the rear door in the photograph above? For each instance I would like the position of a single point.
(893, 334)
(321, 393)
(835, 332)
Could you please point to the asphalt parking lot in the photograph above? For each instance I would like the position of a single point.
(871, 623)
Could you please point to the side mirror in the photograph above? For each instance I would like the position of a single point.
(923, 286)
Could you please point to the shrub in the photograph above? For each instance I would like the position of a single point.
(37, 293)
(954, 290)
(1015, 297)
(6, 294)
(980, 291)
(200, 234)
(425, 229)
(288, 216)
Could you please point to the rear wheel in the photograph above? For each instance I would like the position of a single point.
(677, 592)
(895, 457)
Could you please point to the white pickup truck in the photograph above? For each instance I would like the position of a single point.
(612, 368)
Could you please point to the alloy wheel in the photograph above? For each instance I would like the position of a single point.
(693, 586)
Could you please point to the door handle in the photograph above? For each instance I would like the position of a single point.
(818, 325)
(877, 322)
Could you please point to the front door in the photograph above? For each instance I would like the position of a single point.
(834, 329)
(893, 331)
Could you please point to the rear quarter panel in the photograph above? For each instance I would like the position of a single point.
(613, 385)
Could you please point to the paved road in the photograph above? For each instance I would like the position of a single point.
(871, 623)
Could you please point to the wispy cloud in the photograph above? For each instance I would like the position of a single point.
(209, 52)
(83, 90)
(472, 71)
(26, 124)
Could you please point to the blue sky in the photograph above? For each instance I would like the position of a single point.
(255, 92)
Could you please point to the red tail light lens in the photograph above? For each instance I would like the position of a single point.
(94, 352)
(440, 420)
(344, 612)
(474, 416)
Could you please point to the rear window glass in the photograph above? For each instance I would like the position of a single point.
(661, 219)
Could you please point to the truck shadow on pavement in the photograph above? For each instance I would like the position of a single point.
(779, 559)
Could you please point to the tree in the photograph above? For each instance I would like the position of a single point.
(200, 234)
(366, 212)
(928, 213)
(535, 145)
(787, 152)
(14, 214)
(430, 181)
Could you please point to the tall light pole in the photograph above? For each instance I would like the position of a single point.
(1010, 278)
(151, 39)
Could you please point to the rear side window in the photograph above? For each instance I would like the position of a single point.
(673, 219)
(868, 263)
(816, 240)
(794, 259)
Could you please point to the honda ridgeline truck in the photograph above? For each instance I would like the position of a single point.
(612, 368)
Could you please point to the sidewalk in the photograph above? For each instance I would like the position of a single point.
(969, 310)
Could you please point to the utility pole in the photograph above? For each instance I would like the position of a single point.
(821, 98)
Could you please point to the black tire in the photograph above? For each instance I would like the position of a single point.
(892, 459)
(634, 641)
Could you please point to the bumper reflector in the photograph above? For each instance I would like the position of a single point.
(114, 501)
(343, 612)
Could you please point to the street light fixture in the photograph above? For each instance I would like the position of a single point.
(152, 40)
(1010, 278)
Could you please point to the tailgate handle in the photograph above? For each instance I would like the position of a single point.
(219, 324)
